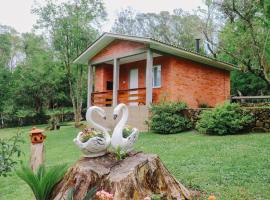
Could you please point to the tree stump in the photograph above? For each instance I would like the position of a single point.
(134, 178)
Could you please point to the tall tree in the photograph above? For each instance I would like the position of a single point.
(211, 24)
(246, 35)
(5, 48)
(5, 80)
(36, 80)
(179, 28)
(10, 44)
(71, 26)
(5, 74)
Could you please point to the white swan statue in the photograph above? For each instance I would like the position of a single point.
(117, 140)
(95, 146)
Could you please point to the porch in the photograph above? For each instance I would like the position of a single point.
(135, 96)
(113, 81)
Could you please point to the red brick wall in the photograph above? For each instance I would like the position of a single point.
(117, 47)
(124, 74)
(197, 84)
(103, 73)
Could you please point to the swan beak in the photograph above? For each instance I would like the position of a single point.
(114, 117)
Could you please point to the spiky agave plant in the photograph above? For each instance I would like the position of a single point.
(43, 181)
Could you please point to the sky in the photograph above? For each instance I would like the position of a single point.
(17, 13)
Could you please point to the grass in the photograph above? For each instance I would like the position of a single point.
(230, 167)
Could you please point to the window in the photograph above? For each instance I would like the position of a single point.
(156, 76)
(109, 85)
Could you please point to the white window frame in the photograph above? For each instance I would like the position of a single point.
(153, 82)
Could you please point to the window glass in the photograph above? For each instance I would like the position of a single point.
(157, 76)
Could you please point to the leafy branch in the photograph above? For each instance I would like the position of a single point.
(9, 152)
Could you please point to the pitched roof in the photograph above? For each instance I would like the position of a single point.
(106, 38)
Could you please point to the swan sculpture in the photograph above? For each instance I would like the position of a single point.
(117, 140)
(95, 146)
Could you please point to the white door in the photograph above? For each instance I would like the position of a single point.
(133, 83)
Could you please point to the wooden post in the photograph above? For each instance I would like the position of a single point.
(37, 155)
(148, 83)
(90, 85)
(115, 80)
(37, 148)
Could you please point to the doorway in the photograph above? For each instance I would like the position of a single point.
(133, 83)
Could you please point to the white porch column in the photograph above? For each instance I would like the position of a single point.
(148, 82)
(115, 80)
(90, 84)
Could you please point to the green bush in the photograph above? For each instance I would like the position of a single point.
(168, 118)
(43, 180)
(10, 151)
(228, 118)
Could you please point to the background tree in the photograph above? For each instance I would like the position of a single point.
(71, 27)
(245, 36)
(212, 23)
(9, 47)
(5, 74)
(247, 84)
(37, 78)
(36, 84)
(179, 28)
(5, 79)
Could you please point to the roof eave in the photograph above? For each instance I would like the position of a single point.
(107, 38)
(191, 56)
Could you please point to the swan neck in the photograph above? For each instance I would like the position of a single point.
(121, 124)
(97, 126)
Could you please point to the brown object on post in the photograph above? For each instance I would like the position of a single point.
(37, 148)
(134, 178)
(37, 136)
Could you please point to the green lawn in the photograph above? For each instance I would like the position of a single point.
(231, 167)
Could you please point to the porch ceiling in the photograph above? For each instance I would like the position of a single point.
(133, 58)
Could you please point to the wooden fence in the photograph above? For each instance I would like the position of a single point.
(250, 99)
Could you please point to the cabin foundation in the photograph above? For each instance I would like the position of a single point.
(137, 117)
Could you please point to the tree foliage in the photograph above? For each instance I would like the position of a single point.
(37, 79)
(180, 28)
(71, 26)
(247, 84)
(245, 36)
(37, 83)
(10, 151)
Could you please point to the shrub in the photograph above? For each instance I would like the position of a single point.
(204, 105)
(10, 150)
(168, 118)
(43, 181)
(228, 118)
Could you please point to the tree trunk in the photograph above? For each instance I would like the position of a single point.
(134, 178)
(77, 117)
(2, 121)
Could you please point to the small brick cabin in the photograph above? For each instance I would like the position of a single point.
(140, 71)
